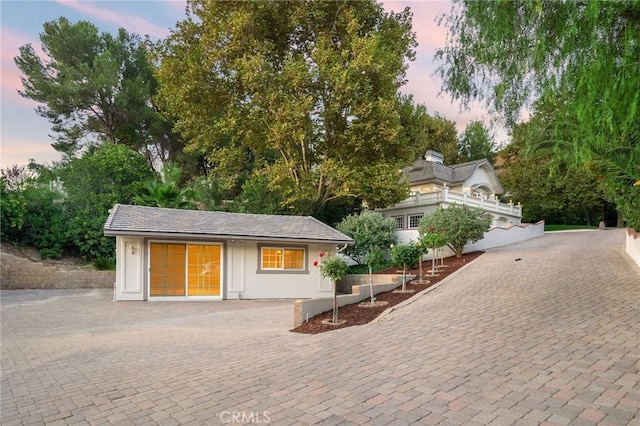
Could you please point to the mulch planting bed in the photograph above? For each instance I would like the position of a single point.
(356, 315)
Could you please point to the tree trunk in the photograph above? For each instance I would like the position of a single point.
(586, 215)
(433, 260)
(404, 278)
(371, 283)
(335, 303)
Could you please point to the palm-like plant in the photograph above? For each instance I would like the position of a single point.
(166, 194)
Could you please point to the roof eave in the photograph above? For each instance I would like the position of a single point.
(189, 236)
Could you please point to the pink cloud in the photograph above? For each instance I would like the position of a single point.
(430, 36)
(422, 82)
(19, 150)
(131, 23)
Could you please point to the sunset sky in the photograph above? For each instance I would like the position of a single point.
(25, 135)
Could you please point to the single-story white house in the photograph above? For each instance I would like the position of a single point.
(433, 184)
(171, 254)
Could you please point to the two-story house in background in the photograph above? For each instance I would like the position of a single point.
(434, 185)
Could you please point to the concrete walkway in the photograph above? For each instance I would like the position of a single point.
(553, 338)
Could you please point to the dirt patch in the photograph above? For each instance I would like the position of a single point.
(356, 315)
(30, 253)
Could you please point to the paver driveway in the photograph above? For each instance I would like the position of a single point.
(553, 338)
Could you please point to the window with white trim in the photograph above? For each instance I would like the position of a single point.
(414, 220)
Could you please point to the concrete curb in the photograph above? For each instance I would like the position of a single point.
(387, 312)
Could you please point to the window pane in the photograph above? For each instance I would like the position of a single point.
(414, 220)
(204, 270)
(271, 258)
(282, 258)
(294, 259)
(399, 222)
(167, 277)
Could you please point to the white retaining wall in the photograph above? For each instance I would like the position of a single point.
(632, 245)
(495, 237)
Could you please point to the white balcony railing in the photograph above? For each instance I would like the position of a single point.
(445, 196)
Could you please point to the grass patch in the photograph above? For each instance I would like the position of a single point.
(567, 227)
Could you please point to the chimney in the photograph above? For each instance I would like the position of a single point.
(434, 157)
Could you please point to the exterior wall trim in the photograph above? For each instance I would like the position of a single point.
(223, 270)
(304, 271)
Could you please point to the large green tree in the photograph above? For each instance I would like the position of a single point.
(93, 183)
(63, 208)
(514, 53)
(305, 93)
(423, 131)
(477, 143)
(549, 188)
(94, 86)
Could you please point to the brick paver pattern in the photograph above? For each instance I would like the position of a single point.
(553, 338)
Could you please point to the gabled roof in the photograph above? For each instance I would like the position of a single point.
(155, 221)
(423, 171)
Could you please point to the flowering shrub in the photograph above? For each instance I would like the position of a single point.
(434, 239)
(334, 268)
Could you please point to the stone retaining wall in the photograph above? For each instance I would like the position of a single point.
(19, 273)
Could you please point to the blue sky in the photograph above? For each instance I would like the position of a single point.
(24, 134)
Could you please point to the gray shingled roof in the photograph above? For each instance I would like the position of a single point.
(139, 220)
(423, 171)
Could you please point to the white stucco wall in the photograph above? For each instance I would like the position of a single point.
(241, 277)
(482, 176)
(279, 285)
(632, 245)
(498, 237)
(495, 237)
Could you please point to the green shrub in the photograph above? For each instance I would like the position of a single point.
(405, 255)
(50, 253)
(104, 264)
(463, 225)
(334, 268)
(369, 230)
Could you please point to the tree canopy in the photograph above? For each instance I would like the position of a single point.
(518, 55)
(460, 224)
(63, 208)
(94, 86)
(305, 95)
(369, 230)
(476, 143)
(550, 188)
(424, 131)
